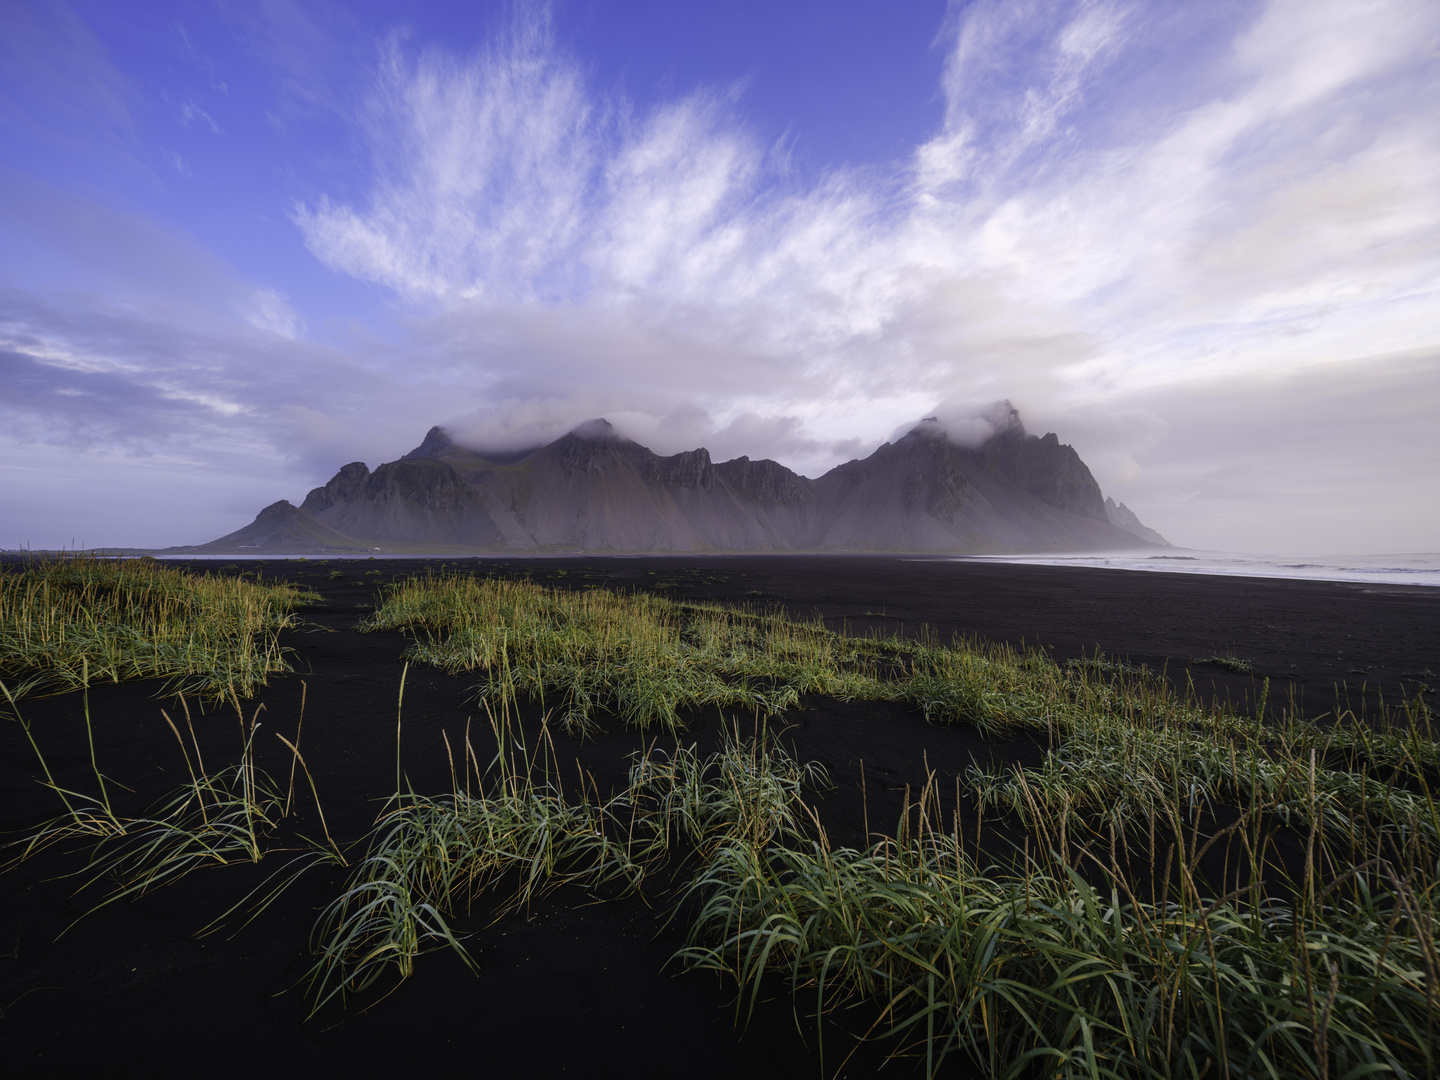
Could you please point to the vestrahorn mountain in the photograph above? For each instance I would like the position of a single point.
(594, 490)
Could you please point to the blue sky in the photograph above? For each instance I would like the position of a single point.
(243, 243)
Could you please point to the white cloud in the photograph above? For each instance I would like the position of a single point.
(270, 311)
(190, 113)
(481, 171)
(178, 163)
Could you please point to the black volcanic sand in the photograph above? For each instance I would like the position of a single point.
(570, 987)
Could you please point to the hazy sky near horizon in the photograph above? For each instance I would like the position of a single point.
(243, 242)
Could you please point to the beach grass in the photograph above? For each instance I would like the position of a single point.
(1176, 889)
(1098, 946)
(430, 858)
(1042, 969)
(1058, 956)
(1236, 665)
(217, 818)
(70, 621)
(647, 660)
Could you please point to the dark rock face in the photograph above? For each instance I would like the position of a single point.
(1049, 470)
(345, 485)
(925, 493)
(435, 443)
(765, 481)
(594, 490)
(276, 517)
(578, 455)
(690, 469)
(429, 485)
(414, 499)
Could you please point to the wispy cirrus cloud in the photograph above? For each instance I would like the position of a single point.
(191, 113)
(480, 173)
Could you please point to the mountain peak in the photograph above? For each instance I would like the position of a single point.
(435, 443)
(1004, 419)
(598, 428)
(1000, 420)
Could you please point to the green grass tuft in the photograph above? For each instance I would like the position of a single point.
(647, 659)
(67, 622)
(1236, 664)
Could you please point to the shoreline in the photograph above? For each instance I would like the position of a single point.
(1396, 570)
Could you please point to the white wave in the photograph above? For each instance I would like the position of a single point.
(1404, 569)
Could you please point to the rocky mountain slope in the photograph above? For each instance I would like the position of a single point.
(1123, 517)
(594, 490)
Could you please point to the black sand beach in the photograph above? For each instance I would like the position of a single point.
(573, 987)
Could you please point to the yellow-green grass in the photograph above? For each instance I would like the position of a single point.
(1313, 954)
(647, 659)
(221, 818)
(1048, 960)
(1097, 947)
(1055, 970)
(1045, 963)
(1121, 741)
(68, 621)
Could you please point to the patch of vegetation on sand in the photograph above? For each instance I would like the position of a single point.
(647, 659)
(1236, 665)
(1099, 945)
(1051, 958)
(1053, 965)
(66, 622)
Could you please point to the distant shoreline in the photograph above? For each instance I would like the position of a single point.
(1410, 570)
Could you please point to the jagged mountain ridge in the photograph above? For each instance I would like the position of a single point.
(594, 490)
(1123, 517)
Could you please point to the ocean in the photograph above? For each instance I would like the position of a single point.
(1411, 569)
